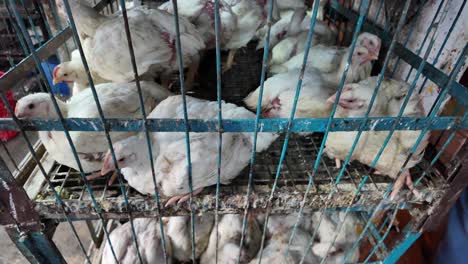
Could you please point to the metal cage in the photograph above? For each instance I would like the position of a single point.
(292, 176)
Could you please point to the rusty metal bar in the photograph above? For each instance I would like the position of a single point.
(22, 223)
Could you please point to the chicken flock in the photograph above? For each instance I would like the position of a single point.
(153, 35)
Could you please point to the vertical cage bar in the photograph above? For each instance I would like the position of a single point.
(187, 135)
(147, 134)
(399, 250)
(57, 109)
(291, 118)
(266, 48)
(376, 90)
(220, 117)
(382, 239)
(408, 36)
(363, 11)
(44, 173)
(442, 46)
(431, 115)
(426, 36)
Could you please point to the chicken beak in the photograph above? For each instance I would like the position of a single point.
(18, 113)
(373, 57)
(108, 165)
(55, 81)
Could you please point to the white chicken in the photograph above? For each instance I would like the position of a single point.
(279, 91)
(291, 24)
(153, 38)
(354, 102)
(250, 16)
(74, 72)
(229, 236)
(201, 14)
(276, 246)
(336, 249)
(295, 39)
(284, 222)
(180, 232)
(117, 100)
(149, 243)
(331, 60)
(170, 155)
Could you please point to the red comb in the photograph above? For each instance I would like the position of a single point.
(55, 71)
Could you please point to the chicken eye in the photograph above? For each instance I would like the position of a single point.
(400, 97)
(121, 159)
(66, 74)
(359, 53)
(31, 106)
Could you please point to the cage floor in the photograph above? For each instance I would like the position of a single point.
(288, 196)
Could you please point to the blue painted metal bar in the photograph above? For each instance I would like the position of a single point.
(220, 118)
(399, 250)
(439, 138)
(408, 36)
(187, 129)
(31, 23)
(426, 35)
(376, 232)
(147, 135)
(236, 125)
(340, 226)
(438, 77)
(17, 30)
(37, 248)
(44, 174)
(23, 47)
(291, 118)
(364, 5)
(44, 18)
(437, 156)
(437, 104)
(57, 109)
(53, 8)
(381, 240)
(38, 162)
(377, 14)
(442, 46)
(102, 120)
(36, 59)
(410, 91)
(366, 115)
(256, 125)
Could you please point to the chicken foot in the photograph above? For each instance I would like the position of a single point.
(98, 174)
(338, 163)
(112, 179)
(94, 175)
(182, 198)
(229, 61)
(404, 179)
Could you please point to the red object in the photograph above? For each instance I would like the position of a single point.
(6, 135)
